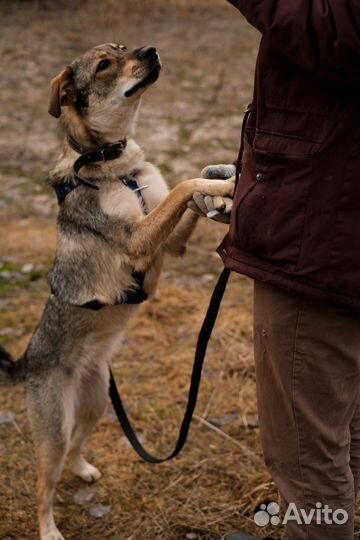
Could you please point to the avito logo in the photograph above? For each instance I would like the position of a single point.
(320, 514)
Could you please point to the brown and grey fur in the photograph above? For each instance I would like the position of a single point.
(103, 237)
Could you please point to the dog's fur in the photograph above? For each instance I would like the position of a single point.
(104, 236)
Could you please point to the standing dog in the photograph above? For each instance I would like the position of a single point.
(116, 221)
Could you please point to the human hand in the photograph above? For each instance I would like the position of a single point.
(215, 208)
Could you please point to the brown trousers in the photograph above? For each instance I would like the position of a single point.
(307, 356)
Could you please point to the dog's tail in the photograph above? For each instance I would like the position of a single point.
(14, 371)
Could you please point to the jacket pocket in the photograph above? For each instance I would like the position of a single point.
(271, 199)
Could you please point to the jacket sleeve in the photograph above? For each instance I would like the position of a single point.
(322, 36)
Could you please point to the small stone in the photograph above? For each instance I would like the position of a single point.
(7, 417)
(192, 536)
(10, 276)
(28, 268)
(99, 510)
(207, 278)
(225, 420)
(85, 495)
(252, 423)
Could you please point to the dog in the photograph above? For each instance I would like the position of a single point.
(117, 219)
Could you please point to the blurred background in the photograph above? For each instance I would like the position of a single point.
(190, 118)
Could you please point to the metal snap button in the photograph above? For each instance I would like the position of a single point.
(259, 177)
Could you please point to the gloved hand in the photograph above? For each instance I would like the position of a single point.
(216, 208)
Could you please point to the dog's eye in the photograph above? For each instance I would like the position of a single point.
(104, 64)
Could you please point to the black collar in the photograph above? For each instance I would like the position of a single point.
(106, 153)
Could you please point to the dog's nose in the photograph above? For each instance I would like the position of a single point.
(146, 52)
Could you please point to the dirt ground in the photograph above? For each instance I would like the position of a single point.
(191, 117)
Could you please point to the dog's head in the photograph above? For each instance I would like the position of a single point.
(100, 91)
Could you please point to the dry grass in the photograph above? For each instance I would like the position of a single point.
(218, 480)
(191, 118)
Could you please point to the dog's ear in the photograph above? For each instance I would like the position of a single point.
(61, 91)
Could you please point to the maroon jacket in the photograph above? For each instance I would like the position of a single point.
(296, 216)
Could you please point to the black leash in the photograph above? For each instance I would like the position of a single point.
(203, 339)
(200, 353)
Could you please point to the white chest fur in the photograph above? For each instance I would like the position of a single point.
(119, 201)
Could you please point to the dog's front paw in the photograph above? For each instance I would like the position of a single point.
(86, 471)
(219, 188)
(216, 208)
(229, 187)
(52, 534)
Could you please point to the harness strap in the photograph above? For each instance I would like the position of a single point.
(131, 297)
(200, 353)
(63, 190)
(131, 182)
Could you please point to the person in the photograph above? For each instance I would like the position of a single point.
(295, 229)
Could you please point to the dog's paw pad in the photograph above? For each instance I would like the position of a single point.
(87, 472)
(54, 534)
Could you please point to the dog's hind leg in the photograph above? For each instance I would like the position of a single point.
(51, 458)
(90, 406)
(51, 417)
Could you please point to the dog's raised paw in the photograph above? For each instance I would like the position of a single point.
(53, 534)
(86, 471)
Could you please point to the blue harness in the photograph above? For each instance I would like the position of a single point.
(63, 190)
(134, 296)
